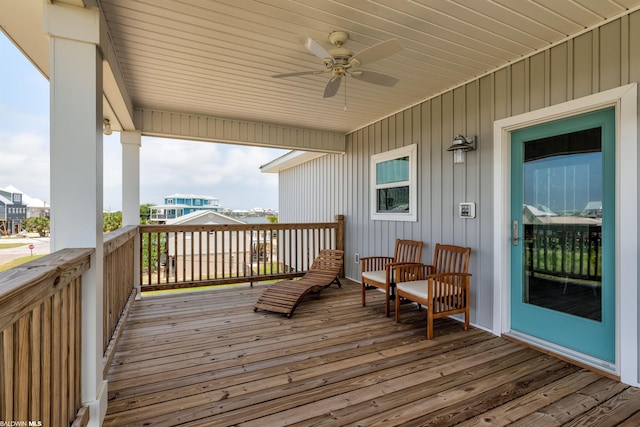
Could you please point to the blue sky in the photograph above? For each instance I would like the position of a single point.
(228, 172)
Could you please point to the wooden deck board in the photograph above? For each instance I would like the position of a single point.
(206, 358)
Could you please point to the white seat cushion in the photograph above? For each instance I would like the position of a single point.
(420, 288)
(379, 276)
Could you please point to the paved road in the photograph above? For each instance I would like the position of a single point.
(6, 255)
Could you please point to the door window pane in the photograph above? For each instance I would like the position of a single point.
(562, 217)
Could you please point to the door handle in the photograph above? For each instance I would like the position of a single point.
(514, 232)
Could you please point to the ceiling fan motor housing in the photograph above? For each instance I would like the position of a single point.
(338, 38)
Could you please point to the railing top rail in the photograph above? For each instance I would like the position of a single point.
(239, 227)
(25, 287)
(115, 239)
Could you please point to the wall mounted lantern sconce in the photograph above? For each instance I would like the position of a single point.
(106, 127)
(462, 144)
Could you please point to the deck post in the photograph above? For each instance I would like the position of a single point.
(131, 142)
(76, 173)
(340, 233)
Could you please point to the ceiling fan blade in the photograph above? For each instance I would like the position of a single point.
(316, 48)
(375, 78)
(299, 73)
(332, 86)
(376, 52)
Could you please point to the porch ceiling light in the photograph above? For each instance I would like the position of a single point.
(106, 127)
(462, 144)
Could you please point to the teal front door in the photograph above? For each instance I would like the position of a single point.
(563, 231)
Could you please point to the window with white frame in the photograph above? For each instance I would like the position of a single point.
(394, 190)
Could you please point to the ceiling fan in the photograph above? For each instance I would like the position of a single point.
(342, 62)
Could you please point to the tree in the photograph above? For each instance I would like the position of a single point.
(38, 225)
(111, 221)
(145, 212)
(273, 219)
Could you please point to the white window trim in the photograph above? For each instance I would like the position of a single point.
(412, 152)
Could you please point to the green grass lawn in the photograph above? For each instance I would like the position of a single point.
(11, 245)
(19, 261)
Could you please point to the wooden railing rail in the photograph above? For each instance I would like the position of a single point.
(118, 286)
(40, 339)
(178, 256)
(566, 250)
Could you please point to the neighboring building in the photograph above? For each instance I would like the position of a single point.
(177, 205)
(247, 245)
(13, 212)
(203, 217)
(259, 213)
(36, 208)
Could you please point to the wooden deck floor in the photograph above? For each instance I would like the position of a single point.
(206, 359)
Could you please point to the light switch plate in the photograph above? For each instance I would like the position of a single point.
(467, 210)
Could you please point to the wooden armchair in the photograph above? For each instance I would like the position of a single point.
(443, 287)
(377, 271)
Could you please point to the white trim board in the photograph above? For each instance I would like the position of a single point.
(624, 99)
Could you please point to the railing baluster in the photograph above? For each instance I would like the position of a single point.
(208, 255)
(215, 254)
(183, 263)
(197, 257)
(260, 261)
(157, 258)
(242, 253)
(47, 349)
(224, 233)
(192, 257)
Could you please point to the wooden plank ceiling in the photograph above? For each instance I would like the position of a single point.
(217, 57)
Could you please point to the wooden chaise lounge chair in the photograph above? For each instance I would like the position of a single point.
(284, 297)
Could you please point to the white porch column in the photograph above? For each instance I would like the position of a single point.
(76, 171)
(131, 142)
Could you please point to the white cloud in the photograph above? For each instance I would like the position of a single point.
(24, 163)
(228, 172)
(167, 166)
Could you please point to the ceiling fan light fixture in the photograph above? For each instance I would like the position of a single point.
(341, 60)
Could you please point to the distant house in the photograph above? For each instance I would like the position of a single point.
(203, 216)
(177, 205)
(247, 245)
(593, 209)
(36, 208)
(13, 212)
